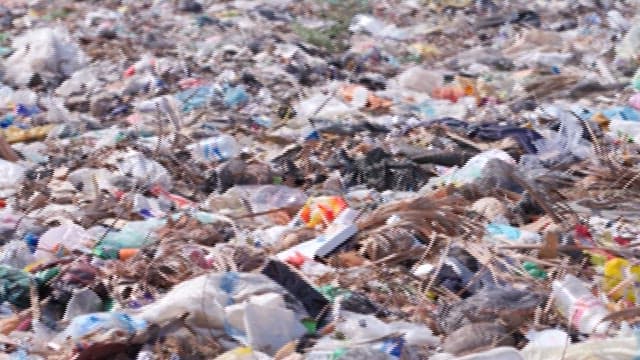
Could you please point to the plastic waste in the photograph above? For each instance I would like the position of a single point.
(80, 81)
(419, 79)
(217, 290)
(367, 328)
(133, 235)
(286, 179)
(617, 21)
(322, 210)
(147, 62)
(623, 348)
(265, 334)
(84, 325)
(104, 22)
(321, 106)
(58, 240)
(576, 303)
(234, 96)
(377, 28)
(335, 234)
(549, 338)
(12, 174)
(472, 170)
(499, 353)
(219, 148)
(91, 180)
(243, 353)
(261, 197)
(195, 98)
(625, 130)
(15, 286)
(567, 139)
(48, 52)
(144, 170)
(83, 301)
(17, 254)
(510, 234)
(634, 101)
(616, 270)
(627, 49)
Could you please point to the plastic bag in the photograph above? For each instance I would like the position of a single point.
(500, 353)
(248, 307)
(243, 353)
(16, 253)
(627, 49)
(377, 28)
(67, 236)
(215, 290)
(472, 170)
(325, 107)
(12, 175)
(84, 325)
(146, 171)
(260, 198)
(48, 52)
(621, 348)
(82, 301)
(81, 81)
(568, 138)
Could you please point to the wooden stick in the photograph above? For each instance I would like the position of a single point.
(6, 152)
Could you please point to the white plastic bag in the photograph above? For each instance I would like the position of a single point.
(12, 175)
(49, 52)
(248, 307)
(68, 235)
(148, 172)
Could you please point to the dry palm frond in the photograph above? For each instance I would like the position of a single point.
(425, 214)
(417, 217)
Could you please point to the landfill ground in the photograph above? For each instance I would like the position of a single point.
(319, 179)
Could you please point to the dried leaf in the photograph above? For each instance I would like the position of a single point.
(626, 314)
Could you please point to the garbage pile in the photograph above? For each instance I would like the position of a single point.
(319, 179)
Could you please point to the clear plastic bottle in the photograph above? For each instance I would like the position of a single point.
(217, 148)
(574, 301)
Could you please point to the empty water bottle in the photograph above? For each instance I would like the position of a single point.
(218, 148)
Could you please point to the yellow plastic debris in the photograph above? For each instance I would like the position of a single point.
(14, 134)
(617, 270)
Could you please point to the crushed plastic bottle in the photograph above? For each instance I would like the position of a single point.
(219, 148)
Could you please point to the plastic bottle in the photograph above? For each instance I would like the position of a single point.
(574, 301)
(57, 240)
(134, 235)
(269, 197)
(217, 148)
(234, 96)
